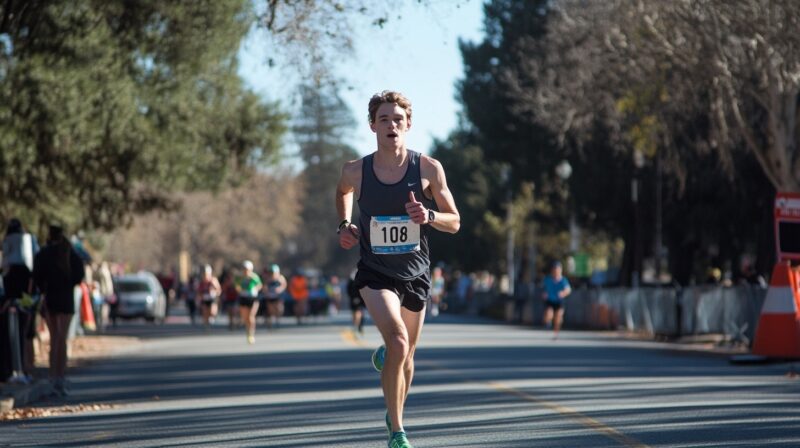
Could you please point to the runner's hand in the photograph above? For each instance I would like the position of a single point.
(416, 210)
(348, 237)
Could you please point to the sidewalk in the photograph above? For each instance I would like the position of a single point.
(83, 350)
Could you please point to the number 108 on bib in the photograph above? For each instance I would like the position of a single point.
(394, 235)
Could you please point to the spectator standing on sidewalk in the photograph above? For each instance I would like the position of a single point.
(57, 270)
(19, 249)
(556, 289)
(106, 289)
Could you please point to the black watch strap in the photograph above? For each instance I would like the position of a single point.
(431, 216)
(342, 225)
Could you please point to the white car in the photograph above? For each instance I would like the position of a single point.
(140, 295)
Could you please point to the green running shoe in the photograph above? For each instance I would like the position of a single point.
(399, 440)
(378, 357)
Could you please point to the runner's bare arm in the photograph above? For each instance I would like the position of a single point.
(215, 284)
(447, 218)
(282, 284)
(345, 191)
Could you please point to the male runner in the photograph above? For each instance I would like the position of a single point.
(556, 289)
(397, 190)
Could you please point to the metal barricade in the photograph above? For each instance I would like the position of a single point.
(17, 374)
(666, 311)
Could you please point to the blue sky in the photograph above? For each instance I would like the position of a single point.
(416, 54)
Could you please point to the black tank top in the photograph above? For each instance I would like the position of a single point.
(379, 199)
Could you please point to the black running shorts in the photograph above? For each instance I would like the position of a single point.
(413, 293)
(247, 301)
(554, 305)
(356, 303)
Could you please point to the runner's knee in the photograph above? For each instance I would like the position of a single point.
(398, 345)
(408, 366)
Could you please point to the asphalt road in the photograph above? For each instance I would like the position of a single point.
(478, 384)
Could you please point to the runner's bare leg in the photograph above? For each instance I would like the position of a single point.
(384, 308)
(413, 321)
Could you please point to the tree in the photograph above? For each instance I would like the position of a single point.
(221, 229)
(505, 135)
(319, 129)
(509, 134)
(106, 107)
(476, 186)
(688, 84)
(314, 35)
(641, 66)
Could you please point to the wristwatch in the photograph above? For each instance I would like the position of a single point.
(431, 216)
(342, 225)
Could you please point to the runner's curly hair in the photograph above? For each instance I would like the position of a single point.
(388, 96)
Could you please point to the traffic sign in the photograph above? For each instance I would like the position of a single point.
(787, 226)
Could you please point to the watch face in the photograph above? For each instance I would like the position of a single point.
(431, 215)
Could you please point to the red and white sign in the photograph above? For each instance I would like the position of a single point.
(787, 225)
(787, 205)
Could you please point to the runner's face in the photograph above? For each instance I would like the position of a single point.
(391, 125)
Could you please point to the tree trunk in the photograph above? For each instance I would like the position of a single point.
(681, 262)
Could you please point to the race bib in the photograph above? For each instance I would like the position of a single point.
(393, 235)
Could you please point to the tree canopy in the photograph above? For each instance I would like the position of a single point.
(701, 74)
(704, 92)
(106, 107)
(320, 129)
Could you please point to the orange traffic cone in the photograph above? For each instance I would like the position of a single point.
(778, 331)
(87, 313)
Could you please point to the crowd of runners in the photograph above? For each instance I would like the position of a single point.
(245, 294)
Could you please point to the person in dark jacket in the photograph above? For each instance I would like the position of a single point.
(19, 248)
(57, 269)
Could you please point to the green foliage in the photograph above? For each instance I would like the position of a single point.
(504, 133)
(475, 184)
(106, 107)
(643, 128)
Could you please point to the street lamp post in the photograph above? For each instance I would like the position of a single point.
(636, 275)
(564, 171)
(506, 178)
(659, 244)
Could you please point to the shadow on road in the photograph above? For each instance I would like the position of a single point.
(325, 391)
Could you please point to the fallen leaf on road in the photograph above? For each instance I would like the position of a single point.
(37, 412)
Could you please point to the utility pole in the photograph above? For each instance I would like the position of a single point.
(506, 174)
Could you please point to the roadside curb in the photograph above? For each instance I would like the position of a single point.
(699, 345)
(716, 352)
(710, 345)
(18, 395)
